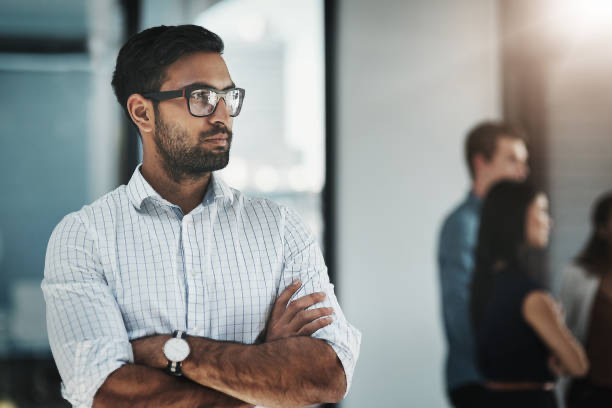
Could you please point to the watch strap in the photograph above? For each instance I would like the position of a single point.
(174, 368)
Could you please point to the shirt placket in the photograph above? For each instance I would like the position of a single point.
(193, 276)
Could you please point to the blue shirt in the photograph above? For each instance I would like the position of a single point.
(456, 263)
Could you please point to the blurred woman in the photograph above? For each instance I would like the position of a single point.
(521, 339)
(587, 297)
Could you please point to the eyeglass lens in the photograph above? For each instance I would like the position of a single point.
(202, 102)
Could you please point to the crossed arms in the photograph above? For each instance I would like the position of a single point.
(288, 368)
(92, 333)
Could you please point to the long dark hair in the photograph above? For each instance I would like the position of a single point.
(501, 237)
(595, 257)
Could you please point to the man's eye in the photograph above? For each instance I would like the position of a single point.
(203, 96)
(199, 95)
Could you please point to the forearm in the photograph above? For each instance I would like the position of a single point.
(571, 355)
(566, 347)
(296, 371)
(543, 314)
(136, 386)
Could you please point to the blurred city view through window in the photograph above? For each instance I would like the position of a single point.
(61, 136)
(275, 50)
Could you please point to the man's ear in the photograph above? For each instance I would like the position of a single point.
(478, 161)
(141, 112)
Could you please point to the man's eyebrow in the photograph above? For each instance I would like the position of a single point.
(205, 85)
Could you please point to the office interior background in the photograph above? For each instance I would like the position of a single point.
(355, 115)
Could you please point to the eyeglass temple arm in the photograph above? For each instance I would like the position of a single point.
(162, 96)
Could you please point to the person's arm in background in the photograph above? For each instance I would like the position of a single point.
(456, 263)
(544, 315)
(294, 371)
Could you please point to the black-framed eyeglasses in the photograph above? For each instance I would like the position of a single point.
(202, 101)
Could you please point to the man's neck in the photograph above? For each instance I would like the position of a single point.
(187, 193)
(479, 188)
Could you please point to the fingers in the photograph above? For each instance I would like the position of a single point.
(305, 317)
(555, 366)
(303, 303)
(281, 302)
(293, 319)
(312, 327)
(289, 291)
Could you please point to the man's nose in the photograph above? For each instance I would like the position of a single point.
(221, 113)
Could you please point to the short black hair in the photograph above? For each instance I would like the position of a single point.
(482, 139)
(144, 59)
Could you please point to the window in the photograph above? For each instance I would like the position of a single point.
(276, 52)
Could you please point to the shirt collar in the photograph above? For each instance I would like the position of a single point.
(219, 190)
(139, 189)
(472, 200)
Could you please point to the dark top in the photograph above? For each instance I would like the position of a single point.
(508, 349)
(599, 340)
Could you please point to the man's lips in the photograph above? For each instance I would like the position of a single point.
(216, 131)
(218, 139)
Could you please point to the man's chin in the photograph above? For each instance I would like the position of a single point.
(219, 162)
(221, 166)
(219, 150)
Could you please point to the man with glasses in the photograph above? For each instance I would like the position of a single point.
(177, 290)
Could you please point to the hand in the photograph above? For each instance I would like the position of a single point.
(149, 351)
(293, 320)
(555, 366)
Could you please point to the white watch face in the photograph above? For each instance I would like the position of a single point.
(176, 349)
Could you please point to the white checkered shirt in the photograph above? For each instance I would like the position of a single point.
(131, 265)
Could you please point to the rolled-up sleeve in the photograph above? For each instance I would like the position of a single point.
(303, 261)
(86, 331)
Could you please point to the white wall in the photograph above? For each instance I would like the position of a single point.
(579, 144)
(412, 78)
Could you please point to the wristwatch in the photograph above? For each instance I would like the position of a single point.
(176, 350)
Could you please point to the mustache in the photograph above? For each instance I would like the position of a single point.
(217, 130)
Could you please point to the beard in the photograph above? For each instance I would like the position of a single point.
(182, 161)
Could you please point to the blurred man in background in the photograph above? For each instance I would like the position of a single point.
(494, 151)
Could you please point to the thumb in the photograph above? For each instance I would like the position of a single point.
(281, 302)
